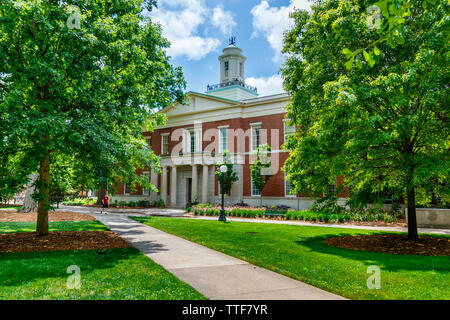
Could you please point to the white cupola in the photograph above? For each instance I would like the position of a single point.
(232, 75)
(232, 63)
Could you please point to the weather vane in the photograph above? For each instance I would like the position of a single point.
(232, 41)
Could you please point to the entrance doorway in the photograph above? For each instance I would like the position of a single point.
(189, 189)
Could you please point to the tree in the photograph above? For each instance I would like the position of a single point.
(81, 80)
(383, 126)
(260, 169)
(29, 204)
(230, 176)
(387, 18)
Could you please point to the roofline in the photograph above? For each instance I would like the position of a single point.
(193, 93)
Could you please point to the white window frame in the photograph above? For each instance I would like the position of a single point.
(163, 135)
(221, 138)
(187, 147)
(146, 192)
(286, 181)
(331, 185)
(251, 186)
(285, 121)
(125, 190)
(252, 127)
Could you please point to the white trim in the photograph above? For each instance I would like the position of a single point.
(125, 190)
(284, 130)
(162, 143)
(251, 187)
(222, 127)
(253, 125)
(221, 138)
(287, 195)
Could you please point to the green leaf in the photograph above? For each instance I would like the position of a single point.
(347, 52)
(376, 51)
(349, 64)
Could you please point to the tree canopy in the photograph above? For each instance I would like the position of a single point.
(381, 124)
(80, 81)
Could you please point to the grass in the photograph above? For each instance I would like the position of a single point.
(11, 208)
(299, 252)
(115, 274)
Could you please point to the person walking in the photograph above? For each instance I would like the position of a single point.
(105, 201)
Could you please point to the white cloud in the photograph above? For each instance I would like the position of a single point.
(181, 20)
(271, 22)
(223, 20)
(267, 85)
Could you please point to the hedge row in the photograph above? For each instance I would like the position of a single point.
(251, 212)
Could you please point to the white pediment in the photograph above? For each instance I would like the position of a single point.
(198, 103)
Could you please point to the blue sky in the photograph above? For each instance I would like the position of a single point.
(199, 30)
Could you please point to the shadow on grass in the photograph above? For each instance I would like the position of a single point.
(387, 261)
(23, 267)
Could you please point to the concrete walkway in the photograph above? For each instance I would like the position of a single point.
(214, 274)
(164, 212)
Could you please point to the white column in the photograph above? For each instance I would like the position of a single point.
(194, 190)
(163, 190)
(173, 187)
(205, 184)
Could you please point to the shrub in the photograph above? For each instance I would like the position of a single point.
(143, 203)
(122, 204)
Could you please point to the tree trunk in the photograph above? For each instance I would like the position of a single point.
(100, 194)
(44, 200)
(29, 205)
(412, 219)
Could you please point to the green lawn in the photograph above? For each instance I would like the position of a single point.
(299, 252)
(10, 208)
(115, 274)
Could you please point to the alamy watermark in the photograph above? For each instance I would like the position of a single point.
(374, 281)
(373, 20)
(74, 20)
(74, 280)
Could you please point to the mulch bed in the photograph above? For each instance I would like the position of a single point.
(395, 244)
(12, 216)
(60, 240)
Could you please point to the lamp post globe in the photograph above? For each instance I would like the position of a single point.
(223, 169)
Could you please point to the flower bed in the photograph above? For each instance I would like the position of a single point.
(253, 212)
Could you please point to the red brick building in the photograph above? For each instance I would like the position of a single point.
(229, 116)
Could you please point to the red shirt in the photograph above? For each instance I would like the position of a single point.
(105, 199)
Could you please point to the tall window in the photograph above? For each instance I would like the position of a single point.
(226, 67)
(223, 139)
(192, 141)
(148, 140)
(241, 70)
(288, 130)
(165, 144)
(146, 192)
(255, 191)
(126, 188)
(256, 136)
(288, 187)
(331, 188)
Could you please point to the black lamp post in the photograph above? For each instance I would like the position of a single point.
(223, 169)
